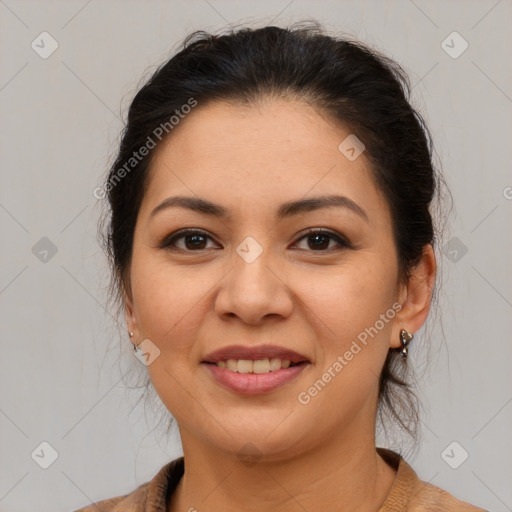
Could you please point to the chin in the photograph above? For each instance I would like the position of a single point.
(270, 439)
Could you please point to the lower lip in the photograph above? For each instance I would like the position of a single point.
(254, 383)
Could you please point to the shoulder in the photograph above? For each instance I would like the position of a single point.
(411, 494)
(131, 502)
(150, 496)
(426, 496)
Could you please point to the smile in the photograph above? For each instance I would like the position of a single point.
(258, 366)
(254, 377)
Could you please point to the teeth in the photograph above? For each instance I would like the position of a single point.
(232, 365)
(244, 366)
(258, 366)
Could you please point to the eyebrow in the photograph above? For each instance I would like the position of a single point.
(286, 210)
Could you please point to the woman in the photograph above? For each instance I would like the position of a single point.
(272, 247)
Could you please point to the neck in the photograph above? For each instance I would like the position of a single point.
(345, 473)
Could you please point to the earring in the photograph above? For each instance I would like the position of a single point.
(405, 338)
(136, 348)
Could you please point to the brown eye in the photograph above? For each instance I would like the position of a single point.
(194, 240)
(319, 241)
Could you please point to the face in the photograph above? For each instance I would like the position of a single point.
(250, 278)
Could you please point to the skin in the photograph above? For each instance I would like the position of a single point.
(250, 160)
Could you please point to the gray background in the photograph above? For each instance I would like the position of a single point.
(60, 380)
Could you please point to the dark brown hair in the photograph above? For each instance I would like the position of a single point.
(341, 78)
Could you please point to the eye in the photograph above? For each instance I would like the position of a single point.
(195, 240)
(321, 239)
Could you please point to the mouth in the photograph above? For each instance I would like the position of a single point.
(260, 359)
(258, 366)
(254, 370)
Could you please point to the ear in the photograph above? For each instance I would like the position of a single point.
(129, 314)
(415, 296)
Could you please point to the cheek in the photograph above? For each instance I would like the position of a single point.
(352, 315)
(169, 308)
(351, 298)
(166, 296)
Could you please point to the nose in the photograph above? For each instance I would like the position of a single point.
(253, 290)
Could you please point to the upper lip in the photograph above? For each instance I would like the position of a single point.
(254, 353)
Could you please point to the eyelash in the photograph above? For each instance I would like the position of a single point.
(168, 241)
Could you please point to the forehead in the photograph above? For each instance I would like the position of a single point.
(273, 152)
(265, 131)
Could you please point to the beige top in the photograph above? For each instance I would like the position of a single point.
(407, 494)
